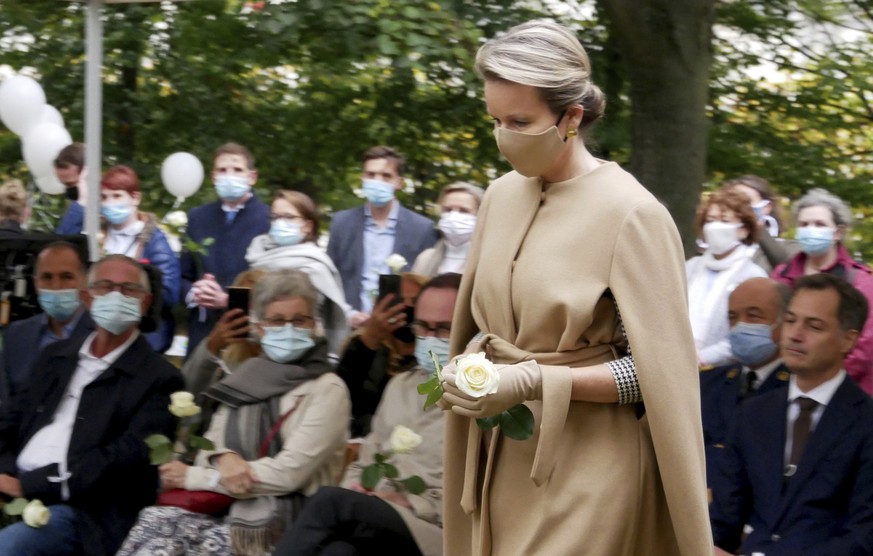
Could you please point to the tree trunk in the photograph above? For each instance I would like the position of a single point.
(666, 46)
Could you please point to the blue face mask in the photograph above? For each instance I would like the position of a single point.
(283, 344)
(116, 312)
(231, 188)
(116, 214)
(752, 344)
(59, 304)
(815, 240)
(286, 233)
(378, 192)
(427, 344)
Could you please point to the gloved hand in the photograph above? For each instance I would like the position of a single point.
(518, 383)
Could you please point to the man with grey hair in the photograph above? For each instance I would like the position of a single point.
(823, 221)
(75, 437)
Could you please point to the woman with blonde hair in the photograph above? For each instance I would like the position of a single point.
(569, 252)
(459, 203)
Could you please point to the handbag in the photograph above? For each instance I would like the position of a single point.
(197, 501)
(214, 503)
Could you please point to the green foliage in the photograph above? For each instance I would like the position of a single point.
(517, 422)
(15, 507)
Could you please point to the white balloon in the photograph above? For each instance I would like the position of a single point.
(51, 115)
(49, 184)
(182, 174)
(21, 101)
(41, 146)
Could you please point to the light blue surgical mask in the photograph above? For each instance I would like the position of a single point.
(815, 240)
(116, 312)
(283, 344)
(378, 192)
(286, 233)
(231, 188)
(116, 213)
(59, 304)
(423, 347)
(752, 343)
(759, 209)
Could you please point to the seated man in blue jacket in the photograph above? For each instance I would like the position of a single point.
(59, 275)
(75, 438)
(797, 464)
(755, 312)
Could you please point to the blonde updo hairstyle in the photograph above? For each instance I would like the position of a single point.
(548, 57)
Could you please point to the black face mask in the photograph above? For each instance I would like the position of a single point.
(404, 333)
(72, 193)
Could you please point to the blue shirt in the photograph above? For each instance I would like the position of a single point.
(47, 337)
(378, 246)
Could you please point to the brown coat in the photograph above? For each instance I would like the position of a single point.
(594, 479)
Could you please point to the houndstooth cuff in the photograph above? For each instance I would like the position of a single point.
(626, 382)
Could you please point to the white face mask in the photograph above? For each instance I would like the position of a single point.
(457, 227)
(721, 236)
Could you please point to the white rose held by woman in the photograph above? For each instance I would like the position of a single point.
(396, 262)
(404, 440)
(36, 514)
(476, 375)
(177, 218)
(182, 404)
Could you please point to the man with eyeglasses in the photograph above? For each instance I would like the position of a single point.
(59, 275)
(231, 222)
(75, 437)
(354, 520)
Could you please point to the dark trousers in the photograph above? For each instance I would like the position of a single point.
(341, 522)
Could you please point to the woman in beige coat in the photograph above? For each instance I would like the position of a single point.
(573, 263)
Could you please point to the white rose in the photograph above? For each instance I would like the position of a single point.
(177, 218)
(476, 375)
(396, 262)
(182, 404)
(404, 440)
(36, 514)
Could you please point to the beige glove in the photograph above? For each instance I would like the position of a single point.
(518, 383)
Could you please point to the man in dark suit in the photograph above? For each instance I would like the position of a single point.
(798, 461)
(232, 222)
(362, 238)
(59, 274)
(75, 438)
(755, 311)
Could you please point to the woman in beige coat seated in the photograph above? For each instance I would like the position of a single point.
(291, 389)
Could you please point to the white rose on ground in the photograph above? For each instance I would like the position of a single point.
(476, 376)
(396, 262)
(36, 514)
(177, 218)
(404, 440)
(182, 404)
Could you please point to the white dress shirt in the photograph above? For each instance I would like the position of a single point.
(51, 443)
(821, 394)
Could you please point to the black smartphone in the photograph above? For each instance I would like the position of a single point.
(389, 283)
(238, 298)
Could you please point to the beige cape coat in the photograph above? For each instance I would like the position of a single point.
(594, 479)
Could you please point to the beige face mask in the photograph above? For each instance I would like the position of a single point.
(531, 154)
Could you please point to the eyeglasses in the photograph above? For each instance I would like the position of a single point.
(299, 321)
(442, 330)
(103, 287)
(288, 217)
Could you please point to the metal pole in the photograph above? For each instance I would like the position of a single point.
(93, 120)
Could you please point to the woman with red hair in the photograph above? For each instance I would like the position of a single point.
(128, 231)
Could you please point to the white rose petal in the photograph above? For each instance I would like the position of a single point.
(182, 404)
(36, 514)
(395, 262)
(177, 218)
(404, 440)
(476, 375)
